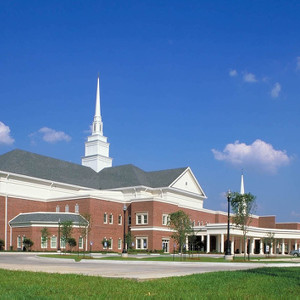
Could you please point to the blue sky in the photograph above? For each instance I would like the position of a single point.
(213, 85)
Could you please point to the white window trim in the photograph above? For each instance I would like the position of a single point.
(142, 242)
(76, 208)
(80, 238)
(119, 243)
(42, 243)
(111, 219)
(167, 218)
(62, 243)
(55, 242)
(142, 215)
(120, 218)
(111, 244)
(19, 242)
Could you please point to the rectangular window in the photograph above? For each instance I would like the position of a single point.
(129, 220)
(141, 218)
(80, 242)
(44, 242)
(57, 208)
(120, 220)
(119, 244)
(67, 208)
(53, 242)
(111, 219)
(111, 243)
(142, 243)
(62, 243)
(105, 218)
(77, 208)
(19, 242)
(165, 219)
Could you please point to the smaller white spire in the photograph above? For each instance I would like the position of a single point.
(242, 192)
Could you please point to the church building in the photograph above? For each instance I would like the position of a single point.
(38, 192)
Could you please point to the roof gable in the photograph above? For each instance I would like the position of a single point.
(188, 183)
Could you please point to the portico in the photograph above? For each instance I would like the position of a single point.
(214, 237)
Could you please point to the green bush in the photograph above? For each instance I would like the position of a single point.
(2, 244)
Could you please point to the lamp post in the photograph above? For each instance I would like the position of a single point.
(124, 252)
(58, 244)
(228, 252)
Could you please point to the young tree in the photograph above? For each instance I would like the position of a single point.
(181, 224)
(45, 234)
(72, 243)
(28, 243)
(128, 240)
(85, 227)
(269, 240)
(66, 229)
(243, 206)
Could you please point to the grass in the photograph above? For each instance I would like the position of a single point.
(263, 283)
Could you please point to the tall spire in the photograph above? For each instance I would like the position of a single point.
(97, 110)
(242, 192)
(97, 124)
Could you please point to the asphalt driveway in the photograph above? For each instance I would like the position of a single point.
(140, 270)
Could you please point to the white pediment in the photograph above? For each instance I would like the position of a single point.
(187, 182)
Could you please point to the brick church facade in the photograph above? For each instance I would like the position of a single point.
(38, 192)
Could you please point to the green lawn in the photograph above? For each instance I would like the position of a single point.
(263, 283)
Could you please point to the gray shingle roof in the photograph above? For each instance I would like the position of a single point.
(35, 165)
(45, 217)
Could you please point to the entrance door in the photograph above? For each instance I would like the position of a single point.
(165, 245)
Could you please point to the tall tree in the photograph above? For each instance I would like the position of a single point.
(181, 224)
(243, 206)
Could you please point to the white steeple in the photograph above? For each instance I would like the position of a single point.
(97, 147)
(242, 192)
(97, 124)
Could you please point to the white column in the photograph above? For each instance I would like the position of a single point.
(207, 243)
(283, 247)
(232, 245)
(271, 248)
(222, 243)
(218, 243)
(295, 244)
(187, 243)
(241, 244)
(261, 247)
(290, 246)
(252, 245)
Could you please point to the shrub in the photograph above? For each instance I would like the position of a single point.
(2, 244)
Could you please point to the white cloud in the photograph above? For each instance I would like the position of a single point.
(5, 137)
(249, 77)
(52, 136)
(276, 90)
(233, 73)
(259, 155)
(298, 63)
